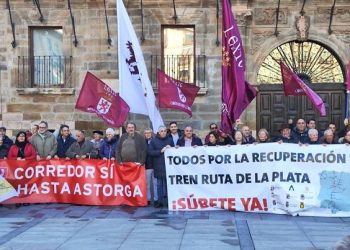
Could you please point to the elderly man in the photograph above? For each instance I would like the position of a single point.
(328, 137)
(285, 136)
(300, 132)
(132, 146)
(44, 142)
(82, 148)
(247, 137)
(189, 139)
(156, 150)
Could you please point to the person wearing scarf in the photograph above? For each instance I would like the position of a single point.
(22, 149)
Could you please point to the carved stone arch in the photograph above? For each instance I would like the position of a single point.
(270, 44)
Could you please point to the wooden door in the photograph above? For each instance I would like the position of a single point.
(274, 108)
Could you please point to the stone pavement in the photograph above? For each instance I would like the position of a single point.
(64, 226)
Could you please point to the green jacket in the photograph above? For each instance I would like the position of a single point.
(45, 146)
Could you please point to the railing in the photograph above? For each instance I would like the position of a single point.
(186, 68)
(44, 72)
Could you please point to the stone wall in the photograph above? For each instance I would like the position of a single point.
(256, 19)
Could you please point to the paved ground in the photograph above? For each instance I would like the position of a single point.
(61, 226)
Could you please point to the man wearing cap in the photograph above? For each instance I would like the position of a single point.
(285, 136)
(98, 139)
(132, 146)
(44, 142)
(5, 139)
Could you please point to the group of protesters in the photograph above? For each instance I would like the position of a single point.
(148, 149)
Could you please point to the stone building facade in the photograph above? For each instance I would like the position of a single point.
(23, 104)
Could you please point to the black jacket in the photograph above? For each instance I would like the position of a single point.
(62, 146)
(154, 150)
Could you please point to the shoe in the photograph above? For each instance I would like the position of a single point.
(158, 204)
(148, 203)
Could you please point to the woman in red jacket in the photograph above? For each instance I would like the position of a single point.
(22, 149)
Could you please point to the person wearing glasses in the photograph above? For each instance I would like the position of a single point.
(22, 149)
(64, 141)
(44, 142)
(82, 148)
(223, 139)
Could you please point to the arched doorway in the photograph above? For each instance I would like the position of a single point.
(318, 67)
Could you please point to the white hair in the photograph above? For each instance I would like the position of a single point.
(110, 131)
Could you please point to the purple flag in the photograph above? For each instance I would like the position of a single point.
(97, 97)
(293, 85)
(175, 94)
(236, 92)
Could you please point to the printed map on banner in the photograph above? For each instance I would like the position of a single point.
(335, 192)
(6, 190)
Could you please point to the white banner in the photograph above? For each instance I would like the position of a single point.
(276, 178)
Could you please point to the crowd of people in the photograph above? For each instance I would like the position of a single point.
(148, 149)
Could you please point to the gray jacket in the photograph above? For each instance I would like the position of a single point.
(87, 148)
(45, 146)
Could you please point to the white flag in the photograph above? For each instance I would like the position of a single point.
(6, 190)
(134, 85)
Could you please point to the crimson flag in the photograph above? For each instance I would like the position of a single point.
(175, 94)
(294, 86)
(236, 93)
(97, 97)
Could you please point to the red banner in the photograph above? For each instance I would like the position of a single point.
(86, 182)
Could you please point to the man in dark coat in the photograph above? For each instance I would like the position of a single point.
(64, 141)
(5, 139)
(285, 136)
(132, 146)
(151, 180)
(300, 132)
(174, 132)
(156, 150)
(189, 139)
(82, 148)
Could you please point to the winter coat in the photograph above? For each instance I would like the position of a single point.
(141, 148)
(195, 141)
(7, 141)
(107, 149)
(4, 149)
(249, 139)
(45, 147)
(302, 137)
(87, 148)
(290, 139)
(154, 150)
(29, 152)
(179, 132)
(62, 146)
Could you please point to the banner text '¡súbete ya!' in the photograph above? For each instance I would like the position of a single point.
(257, 157)
(63, 171)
